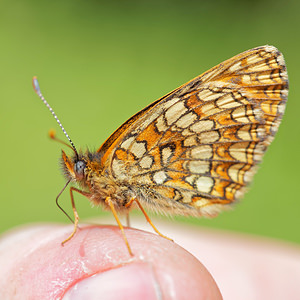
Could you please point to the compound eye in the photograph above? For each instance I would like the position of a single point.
(79, 169)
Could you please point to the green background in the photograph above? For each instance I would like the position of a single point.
(99, 62)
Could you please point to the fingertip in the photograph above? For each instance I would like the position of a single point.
(98, 253)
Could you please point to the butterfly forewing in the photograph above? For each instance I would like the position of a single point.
(195, 150)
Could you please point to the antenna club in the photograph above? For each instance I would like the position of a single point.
(35, 85)
(52, 134)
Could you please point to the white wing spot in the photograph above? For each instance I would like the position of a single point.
(208, 137)
(204, 184)
(198, 166)
(202, 152)
(253, 59)
(234, 171)
(174, 112)
(126, 144)
(235, 67)
(138, 149)
(202, 126)
(171, 102)
(159, 177)
(166, 153)
(207, 95)
(244, 133)
(146, 162)
(239, 115)
(190, 141)
(238, 152)
(209, 108)
(258, 68)
(190, 179)
(161, 124)
(186, 132)
(246, 79)
(186, 120)
(227, 102)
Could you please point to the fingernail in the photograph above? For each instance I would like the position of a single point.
(134, 281)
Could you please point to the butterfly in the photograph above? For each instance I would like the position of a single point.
(192, 152)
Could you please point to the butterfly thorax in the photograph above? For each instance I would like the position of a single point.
(92, 177)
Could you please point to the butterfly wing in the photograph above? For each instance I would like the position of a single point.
(196, 149)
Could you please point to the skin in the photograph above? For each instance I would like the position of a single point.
(95, 264)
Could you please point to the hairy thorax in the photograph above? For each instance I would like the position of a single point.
(102, 186)
(95, 180)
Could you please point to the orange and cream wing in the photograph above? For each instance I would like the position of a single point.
(198, 146)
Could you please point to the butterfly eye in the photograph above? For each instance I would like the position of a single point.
(79, 169)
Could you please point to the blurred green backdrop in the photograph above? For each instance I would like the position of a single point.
(99, 62)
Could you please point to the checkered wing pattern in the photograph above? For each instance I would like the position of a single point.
(195, 150)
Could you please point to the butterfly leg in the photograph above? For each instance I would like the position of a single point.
(112, 207)
(76, 216)
(127, 219)
(147, 217)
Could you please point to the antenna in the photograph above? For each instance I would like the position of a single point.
(37, 89)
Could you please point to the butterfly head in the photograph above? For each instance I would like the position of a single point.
(74, 168)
